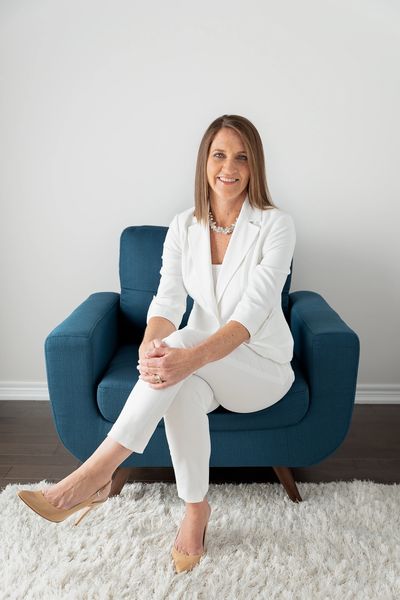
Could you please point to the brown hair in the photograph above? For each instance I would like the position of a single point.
(257, 189)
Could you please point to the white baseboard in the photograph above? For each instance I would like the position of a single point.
(366, 393)
(378, 393)
(23, 390)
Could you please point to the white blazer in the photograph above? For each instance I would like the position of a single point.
(250, 282)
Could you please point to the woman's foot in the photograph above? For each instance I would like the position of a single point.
(77, 487)
(190, 536)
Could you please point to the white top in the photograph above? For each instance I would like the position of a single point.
(244, 296)
(215, 271)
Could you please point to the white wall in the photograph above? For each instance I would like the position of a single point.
(104, 103)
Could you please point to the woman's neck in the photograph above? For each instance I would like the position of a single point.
(224, 213)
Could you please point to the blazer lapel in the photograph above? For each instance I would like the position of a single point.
(245, 232)
(243, 236)
(200, 251)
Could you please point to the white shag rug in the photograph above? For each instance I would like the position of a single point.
(341, 542)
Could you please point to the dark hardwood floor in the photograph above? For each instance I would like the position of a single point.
(30, 450)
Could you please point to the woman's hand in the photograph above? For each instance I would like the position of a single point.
(171, 364)
(146, 347)
(144, 352)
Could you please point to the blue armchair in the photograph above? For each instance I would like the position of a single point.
(91, 360)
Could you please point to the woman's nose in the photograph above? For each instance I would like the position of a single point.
(229, 166)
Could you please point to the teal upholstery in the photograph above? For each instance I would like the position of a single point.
(91, 360)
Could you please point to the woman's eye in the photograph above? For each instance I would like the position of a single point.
(220, 154)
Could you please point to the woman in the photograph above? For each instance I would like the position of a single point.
(232, 255)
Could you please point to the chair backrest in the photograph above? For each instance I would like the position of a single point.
(139, 272)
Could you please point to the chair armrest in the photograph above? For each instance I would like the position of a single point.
(77, 352)
(328, 351)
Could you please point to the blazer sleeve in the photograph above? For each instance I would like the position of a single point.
(170, 300)
(265, 283)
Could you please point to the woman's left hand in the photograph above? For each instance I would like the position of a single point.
(171, 364)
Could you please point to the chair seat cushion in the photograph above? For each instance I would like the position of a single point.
(122, 375)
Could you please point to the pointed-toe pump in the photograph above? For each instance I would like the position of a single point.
(38, 503)
(186, 562)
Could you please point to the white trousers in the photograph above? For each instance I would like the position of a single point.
(241, 382)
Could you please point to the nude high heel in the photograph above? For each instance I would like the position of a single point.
(186, 562)
(38, 503)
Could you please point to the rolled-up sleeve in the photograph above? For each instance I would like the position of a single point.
(265, 283)
(170, 300)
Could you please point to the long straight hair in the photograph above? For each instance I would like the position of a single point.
(257, 188)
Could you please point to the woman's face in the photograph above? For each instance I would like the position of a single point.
(227, 158)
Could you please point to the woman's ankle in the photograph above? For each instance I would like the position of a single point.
(193, 507)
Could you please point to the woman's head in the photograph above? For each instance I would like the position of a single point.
(244, 160)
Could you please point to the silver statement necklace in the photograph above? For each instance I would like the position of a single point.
(215, 227)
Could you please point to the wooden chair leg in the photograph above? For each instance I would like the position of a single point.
(120, 477)
(286, 478)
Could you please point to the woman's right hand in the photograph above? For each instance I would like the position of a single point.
(146, 347)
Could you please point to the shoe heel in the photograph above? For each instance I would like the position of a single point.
(84, 512)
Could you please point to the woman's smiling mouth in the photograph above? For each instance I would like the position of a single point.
(227, 181)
